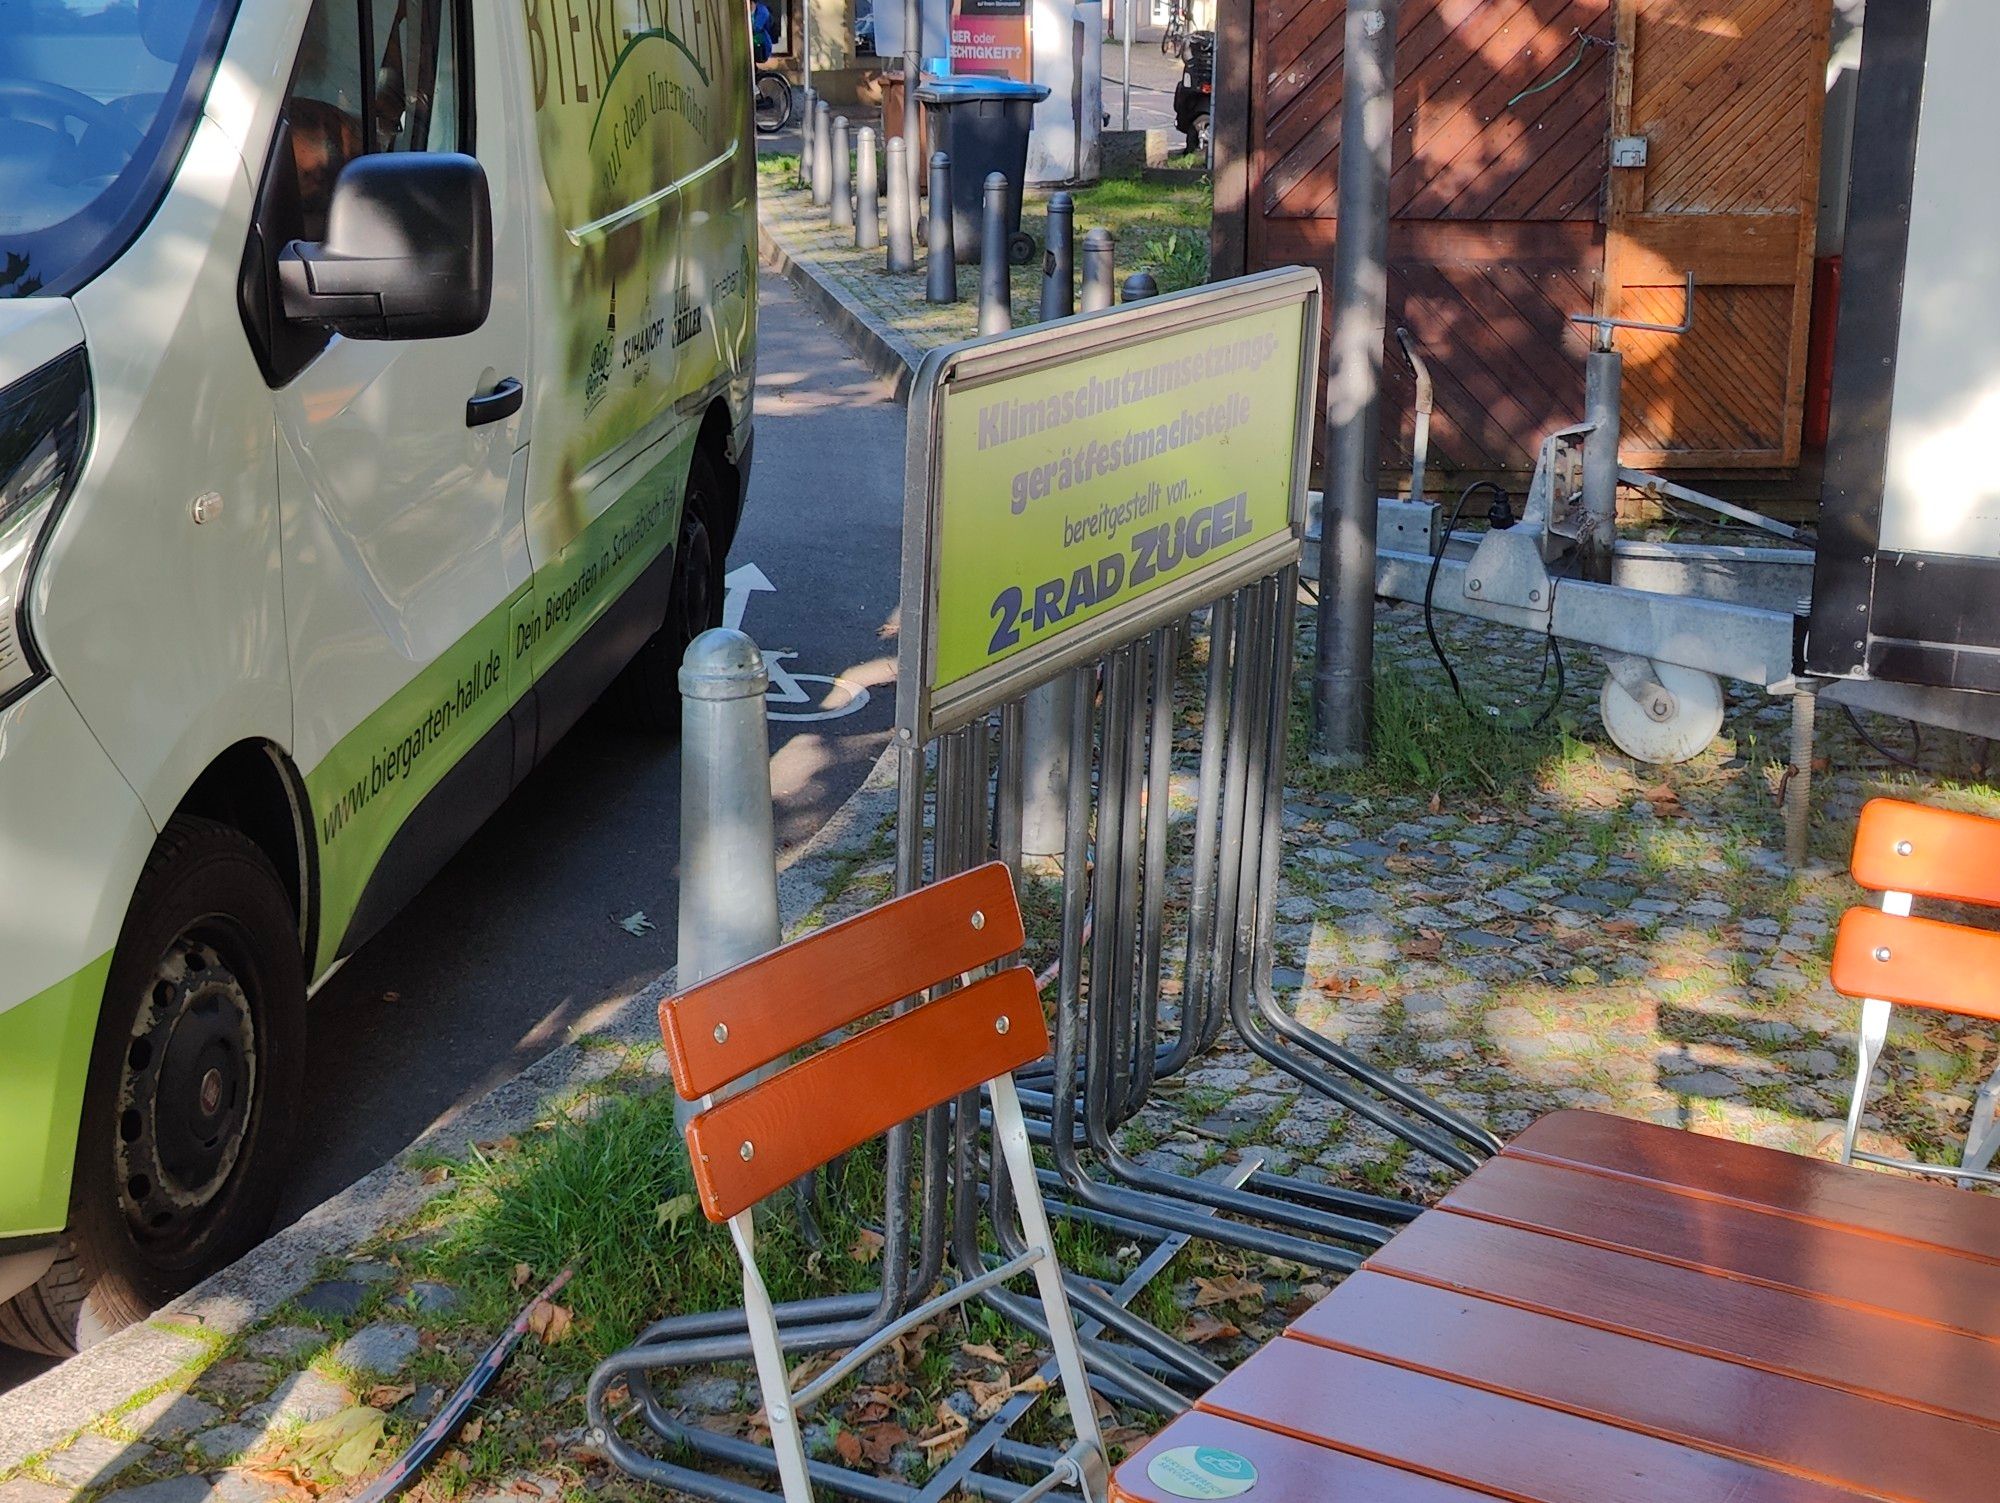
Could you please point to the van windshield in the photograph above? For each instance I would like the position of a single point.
(97, 99)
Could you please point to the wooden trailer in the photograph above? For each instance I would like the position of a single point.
(1513, 206)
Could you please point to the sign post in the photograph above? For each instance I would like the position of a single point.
(1077, 483)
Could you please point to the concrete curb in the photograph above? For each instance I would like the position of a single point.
(46, 1411)
(875, 344)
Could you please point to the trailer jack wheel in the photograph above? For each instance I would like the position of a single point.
(1663, 714)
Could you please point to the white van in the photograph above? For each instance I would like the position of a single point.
(375, 387)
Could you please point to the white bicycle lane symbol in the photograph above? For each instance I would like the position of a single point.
(834, 697)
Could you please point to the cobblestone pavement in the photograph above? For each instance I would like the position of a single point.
(1516, 919)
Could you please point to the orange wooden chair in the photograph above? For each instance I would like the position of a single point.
(1888, 958)
(747, 1144)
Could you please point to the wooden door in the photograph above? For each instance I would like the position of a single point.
(1727, 95)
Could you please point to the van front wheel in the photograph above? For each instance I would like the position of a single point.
(192, 1094)
(647, 695)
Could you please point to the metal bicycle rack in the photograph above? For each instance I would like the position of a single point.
(1167, 903)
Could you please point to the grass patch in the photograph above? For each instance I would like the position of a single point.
(1425, 739)
(613, 1197)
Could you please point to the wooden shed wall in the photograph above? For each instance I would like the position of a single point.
(1504, 207)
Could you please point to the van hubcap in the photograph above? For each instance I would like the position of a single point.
(189, 1078)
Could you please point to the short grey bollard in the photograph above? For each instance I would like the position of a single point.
(1100, 255)
(942, 286)
(842, 187)
(902, 244)
(806, 138)
(996, 306)
(822, 129)
(729, 867)
(867, 198)
(1138, 287)
(1059, 260)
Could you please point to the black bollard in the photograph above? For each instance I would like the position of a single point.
(902, 244)
(1100, 254)
(842, 187)
(822, 129)
(806, 139)
(942, 286)
(996, 307)
(1138, 287)
(1059, 260)
(867, 196)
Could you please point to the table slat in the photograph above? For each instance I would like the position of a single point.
(1289, 1470)
(1785, 1422)
(1867, 1353)
(1483, 1440)
(1887, 1205)
(1828, 1262)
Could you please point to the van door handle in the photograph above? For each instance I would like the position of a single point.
(490, 407)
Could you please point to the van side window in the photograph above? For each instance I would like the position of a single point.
(371, 75)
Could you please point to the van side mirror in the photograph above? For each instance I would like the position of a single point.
(408, 252)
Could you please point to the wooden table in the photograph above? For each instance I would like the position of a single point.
(1614, 1312)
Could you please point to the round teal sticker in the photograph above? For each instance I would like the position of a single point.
(1202, 1472)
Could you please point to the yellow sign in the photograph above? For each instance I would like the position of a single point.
(1144, 456)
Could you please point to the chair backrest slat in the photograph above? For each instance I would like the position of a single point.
(1917, 962)
(767, 1135)
(760, 1011)
(1933, 853)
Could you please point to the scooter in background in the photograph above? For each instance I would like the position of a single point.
(1195, 92)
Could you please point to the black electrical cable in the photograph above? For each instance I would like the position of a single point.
(1551, 648)
(1916, 741)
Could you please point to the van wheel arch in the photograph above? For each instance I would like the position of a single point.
(254, 788)
(717, 441)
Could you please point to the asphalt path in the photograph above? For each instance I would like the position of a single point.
(526, 936)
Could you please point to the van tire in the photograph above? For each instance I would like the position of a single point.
(210, 953)
(647, 694)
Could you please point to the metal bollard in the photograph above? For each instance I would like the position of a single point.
(843, 183)
(822, 173)
(1138, 287)
(867, 195)
(902, 245)
(1059, 259)
(942, 286)
(996, 305)
(806, 138)
(1100, 256)
(729, 867)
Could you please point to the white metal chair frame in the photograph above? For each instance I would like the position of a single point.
(1084, 1466)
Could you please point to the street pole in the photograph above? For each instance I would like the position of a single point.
(806, 45)
(913, 66)
(1343, 666)
(1125, 84)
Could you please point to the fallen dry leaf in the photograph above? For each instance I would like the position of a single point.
(981, 1352)
(847, 1446)
(1204, 1328)
(437, 1174)
(389, 1395)
(1229, 1289)
(522, 1274)
(472, 1429)
(867, 1247)
(549, 1321)
(878, 1442)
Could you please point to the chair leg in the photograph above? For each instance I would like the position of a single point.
(786, 1440)
(1983, 1137)
(1874, 1032)
(1011, 1133)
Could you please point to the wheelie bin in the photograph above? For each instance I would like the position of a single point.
(983, 125)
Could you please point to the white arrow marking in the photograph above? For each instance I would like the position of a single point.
(737, 587)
